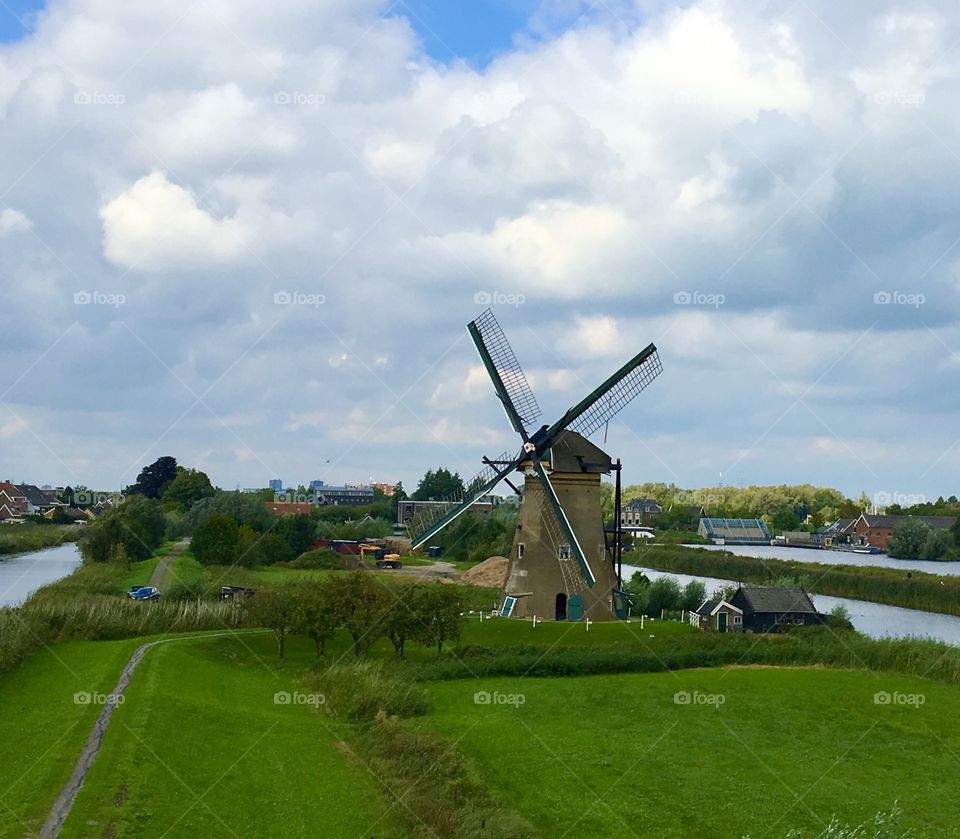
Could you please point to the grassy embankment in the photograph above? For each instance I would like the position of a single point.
(892, 586)
(22, 538)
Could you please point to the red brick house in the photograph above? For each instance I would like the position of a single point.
(876, 531)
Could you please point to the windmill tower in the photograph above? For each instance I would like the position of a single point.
(560, 567)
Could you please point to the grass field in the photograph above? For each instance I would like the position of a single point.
(42, 728)
(247, 765)
(502, 633)
(615, 756)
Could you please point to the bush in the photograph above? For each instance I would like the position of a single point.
(137, 524)
(909, 539)
(215, 540)
(361, 691)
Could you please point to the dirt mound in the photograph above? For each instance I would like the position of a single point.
(491, 572)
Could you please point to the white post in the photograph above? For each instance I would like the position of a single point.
(642, 618)
(534, 621)
(588, 624)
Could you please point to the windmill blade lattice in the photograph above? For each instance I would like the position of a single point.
(421, 526)
(508, 368)
(608, 403)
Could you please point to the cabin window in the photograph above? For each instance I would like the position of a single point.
(564, 552)
(737, 620)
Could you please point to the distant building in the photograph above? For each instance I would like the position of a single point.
(37, 501)
(386, 489)
(641, 512)
(877, 531)
(316, 484)
(344, 495)
(735, 531)
(276, 485)
(13, 504)
(408, 509)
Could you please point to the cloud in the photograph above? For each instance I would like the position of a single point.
(794, 165)
(13, 221)
(156, 225)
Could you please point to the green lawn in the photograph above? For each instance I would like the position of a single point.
(616, 756)
(500, 632)
(200, 748)
(42, 728)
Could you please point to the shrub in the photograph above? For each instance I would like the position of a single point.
(215, 540)
(137, 524)
(362, 690)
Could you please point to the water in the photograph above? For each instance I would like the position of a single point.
(822, 557)
(23, 574)
(875, 620)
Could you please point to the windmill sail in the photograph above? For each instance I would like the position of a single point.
(613, 395)
(434, 517)
(510, 383)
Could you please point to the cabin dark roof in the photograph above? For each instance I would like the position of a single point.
(762, 599)
(933, 522)
(840, 526)
(707, 607)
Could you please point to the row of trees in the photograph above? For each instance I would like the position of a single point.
(421, 613)
(912, 539)
(663, 594)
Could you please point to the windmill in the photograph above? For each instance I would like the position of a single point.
(560, 567)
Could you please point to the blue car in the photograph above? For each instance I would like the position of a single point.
(144, 593)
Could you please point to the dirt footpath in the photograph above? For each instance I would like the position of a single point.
(162, 572)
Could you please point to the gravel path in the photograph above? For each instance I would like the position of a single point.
(162, 571)
(64, 802)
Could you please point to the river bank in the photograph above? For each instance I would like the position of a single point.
(901, 587)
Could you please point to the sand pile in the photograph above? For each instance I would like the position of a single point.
(491, 572)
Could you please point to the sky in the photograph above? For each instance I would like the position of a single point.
(251, 235)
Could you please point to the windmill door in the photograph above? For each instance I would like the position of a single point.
(574, 608)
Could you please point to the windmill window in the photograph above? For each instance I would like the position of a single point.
(564, 552)
(507, 608)
(520, 548)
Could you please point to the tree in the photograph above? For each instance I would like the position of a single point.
(437, 485)
(908, 539)
(785, 519)
(638, 588)
(299, 532)
(362, 605)
(955, 530)
(153, 479)
(215, 540)
(137, 524)
(664, 594)
(693, 595)
(244, 508)
(439, 614)
(938, 545)
(399, 494)
(255, 549)
(407, 618)
(273, 609)
(315, 614)
(188, 487)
